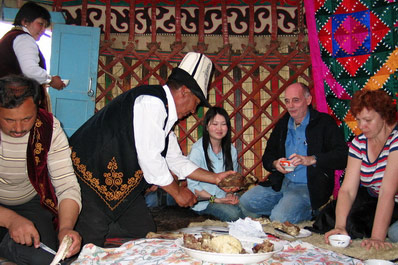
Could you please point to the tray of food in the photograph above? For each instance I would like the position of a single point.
(227, 249)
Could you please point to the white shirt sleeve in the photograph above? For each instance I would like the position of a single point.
(60, 167)
(178, 163)
(149, 118)
(27, 52)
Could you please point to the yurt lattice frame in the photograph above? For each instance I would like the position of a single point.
(252, 70)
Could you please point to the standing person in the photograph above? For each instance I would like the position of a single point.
(313, 143)
(19, 52)
(220, 156)
(129, 144)
(38, 187)
(371, 180)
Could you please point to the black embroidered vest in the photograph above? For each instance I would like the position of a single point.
(104, 154)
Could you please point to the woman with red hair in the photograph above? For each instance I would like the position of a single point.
(370, 186)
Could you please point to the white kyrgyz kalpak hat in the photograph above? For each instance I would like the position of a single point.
(194, 72)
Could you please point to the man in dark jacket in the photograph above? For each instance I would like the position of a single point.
(313, 143)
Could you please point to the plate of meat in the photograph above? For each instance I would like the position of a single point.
(227, 249)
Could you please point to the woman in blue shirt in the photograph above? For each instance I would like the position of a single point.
(220, 156)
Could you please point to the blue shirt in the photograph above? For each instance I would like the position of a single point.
(296, 142)
(197, 156)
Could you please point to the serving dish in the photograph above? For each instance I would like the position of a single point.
(230, 258)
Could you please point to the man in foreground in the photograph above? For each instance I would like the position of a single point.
(40, 196)
(130, 144)
(311, 141)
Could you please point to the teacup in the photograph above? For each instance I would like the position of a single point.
(340, 241)
(66, 82)
(288, 165)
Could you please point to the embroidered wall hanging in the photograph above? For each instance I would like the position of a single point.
(353, 46)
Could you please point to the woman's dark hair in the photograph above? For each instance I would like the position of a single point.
(15, 89)
(29, 12)
(225, 142)
(377, 100)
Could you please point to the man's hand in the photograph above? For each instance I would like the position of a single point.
(23, 231)
(278, 166)
(302, 160)
(152, 188)
(76, 241)
(221, 176)
(182, 195)
(185, 198)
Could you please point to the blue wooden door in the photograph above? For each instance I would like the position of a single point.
(74, 56)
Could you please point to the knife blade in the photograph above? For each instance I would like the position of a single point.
(46, 248)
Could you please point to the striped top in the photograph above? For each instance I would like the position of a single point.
(15, 186)
(372, 172)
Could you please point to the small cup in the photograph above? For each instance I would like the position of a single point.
(287, 165)
(340, 241)
(66, 82)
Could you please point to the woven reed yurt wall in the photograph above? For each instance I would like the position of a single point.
(258, 48)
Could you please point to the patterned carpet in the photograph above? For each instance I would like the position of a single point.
(167, 218)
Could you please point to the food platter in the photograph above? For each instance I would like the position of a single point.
(230, 258)
(303, 233)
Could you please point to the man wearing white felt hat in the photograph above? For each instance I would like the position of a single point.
(129, 145)
(194, 71)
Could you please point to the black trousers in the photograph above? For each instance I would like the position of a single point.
(359, 220)
(95, 225)
(22, 254)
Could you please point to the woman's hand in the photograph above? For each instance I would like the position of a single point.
(56, 82)
(375, 243)
(335, 231)
(229, 199)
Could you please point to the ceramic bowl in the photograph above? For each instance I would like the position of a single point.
(287, 165)
(340, 241)
(66, 82)
(377, 262)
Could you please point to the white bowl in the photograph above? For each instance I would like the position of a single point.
(377, 262)
(65, 81)
(340, 241)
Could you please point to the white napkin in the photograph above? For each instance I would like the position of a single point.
(247, 230)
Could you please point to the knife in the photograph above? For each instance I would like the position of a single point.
(46, 248)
